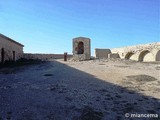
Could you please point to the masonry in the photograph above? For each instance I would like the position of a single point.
(10, 50)
(144, 52)
(81, 48)
(102, 53)
(45, 56)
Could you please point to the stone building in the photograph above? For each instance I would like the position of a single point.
(10, 50)
(102, 53)
(81, 48)
(105, 53)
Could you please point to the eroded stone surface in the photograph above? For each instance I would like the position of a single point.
(81, 48)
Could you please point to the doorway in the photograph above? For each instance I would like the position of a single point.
(2, 55)
(14, 56)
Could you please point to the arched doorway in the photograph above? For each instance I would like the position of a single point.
(128, 55)
(143, 54)
(2, 55)
(80, 48)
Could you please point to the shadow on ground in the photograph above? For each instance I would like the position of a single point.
(55, 91)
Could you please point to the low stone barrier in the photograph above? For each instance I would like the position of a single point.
(45, 56)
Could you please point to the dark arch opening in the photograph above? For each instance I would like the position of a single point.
(142, 55)
(80, 48)
(158, 56)
(2, 55)
(128, 55)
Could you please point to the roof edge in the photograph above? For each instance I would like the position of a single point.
(81, 38)
(5, 37)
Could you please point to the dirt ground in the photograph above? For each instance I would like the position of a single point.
(86, 90)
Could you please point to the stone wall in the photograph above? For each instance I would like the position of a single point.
(12, 49)
(81, 51)
(102, 53)
(143, 52)
(45, 56)
(113, 55)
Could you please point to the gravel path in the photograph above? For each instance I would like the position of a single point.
(87, 90)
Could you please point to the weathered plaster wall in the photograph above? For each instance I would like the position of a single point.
(9, 47)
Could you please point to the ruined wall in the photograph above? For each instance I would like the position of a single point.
(45, 56)
(84, 53)
(102, 53)
(143, 52)
(8, 47)
(113, 55)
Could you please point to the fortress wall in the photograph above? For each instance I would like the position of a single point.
(45, 56)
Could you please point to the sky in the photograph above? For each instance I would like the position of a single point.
(48, 26)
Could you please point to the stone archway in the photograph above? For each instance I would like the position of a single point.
(128, 55)
(80, 48)
(145, 53)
